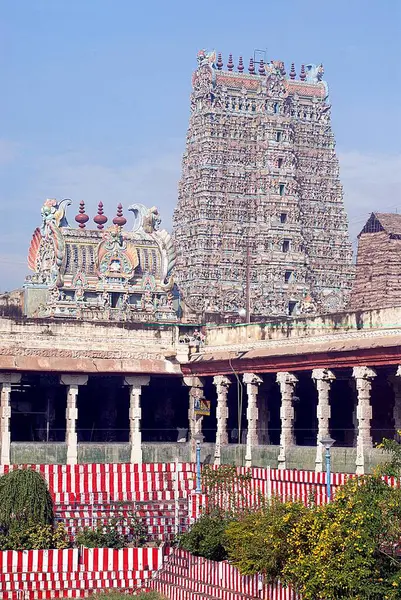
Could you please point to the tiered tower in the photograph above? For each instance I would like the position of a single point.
(260, 219)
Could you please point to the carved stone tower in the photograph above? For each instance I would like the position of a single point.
(260, 216)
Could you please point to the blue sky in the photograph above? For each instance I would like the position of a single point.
(95, 98)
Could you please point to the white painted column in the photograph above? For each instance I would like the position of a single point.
(287, 382)
(6, 379)
(72, 382)
(395, 381)
(222, 384)
(252, 382)
(363, 378)
(322, 379)
(135, 383)
(195, 385)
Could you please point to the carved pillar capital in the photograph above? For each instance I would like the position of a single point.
(251, 379)
(137, 381)
(363, 373)
(323, 375)
(195, 382)
(284, 378)
(221, 382)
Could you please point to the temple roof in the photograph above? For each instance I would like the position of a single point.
(388, 222)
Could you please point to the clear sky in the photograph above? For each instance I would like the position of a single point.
(95, 98)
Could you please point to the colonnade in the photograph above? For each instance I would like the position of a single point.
(323, 378)
(287, 382)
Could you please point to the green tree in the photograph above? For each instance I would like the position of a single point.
(24, 495)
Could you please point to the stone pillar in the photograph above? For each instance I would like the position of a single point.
(395, 381)
(222, 384)
(6, 379)
(252, 382)
(72, 382)
(195, 385)
(135, 383)
(322, 379)
(287, 382)
(363, 379)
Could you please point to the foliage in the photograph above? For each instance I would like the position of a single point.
(229, 490)
(111, 536)
(24, 495)
(392, 467)
(348, 549)
(206, 536)
(25, 535)
(259, 542)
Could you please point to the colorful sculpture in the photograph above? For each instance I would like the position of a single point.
(109, 274)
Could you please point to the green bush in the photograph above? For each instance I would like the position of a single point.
(24, 535)
(24, 495)
(109, 536)
(206, 536)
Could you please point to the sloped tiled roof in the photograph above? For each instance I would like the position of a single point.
(388, 222)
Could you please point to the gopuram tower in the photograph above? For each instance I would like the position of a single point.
(260, 223)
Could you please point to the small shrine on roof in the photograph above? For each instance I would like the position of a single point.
(104, 273)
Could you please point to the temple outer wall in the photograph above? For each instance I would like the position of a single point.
(282, 328)
(299, 457)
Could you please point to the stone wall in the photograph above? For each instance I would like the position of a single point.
(279, 329)
(299, 457)
(88, 347)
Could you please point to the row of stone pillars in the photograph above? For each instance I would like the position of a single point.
(72, 382)
(287, 382)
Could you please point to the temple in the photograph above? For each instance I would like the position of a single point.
(103, 273)
(260, 224)
(111, 356)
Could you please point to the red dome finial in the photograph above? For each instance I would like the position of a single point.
(230, 64)
(81, 217)
(251, 67)
(240, 65)
(303, 74)
(292, 72)
(119, 219)
(100, 218)
(262, 70)
(219, 63)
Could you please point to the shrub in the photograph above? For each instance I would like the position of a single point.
(24, 495)
(24, 535)
(260, 542)
(110, 535)
(206, 536)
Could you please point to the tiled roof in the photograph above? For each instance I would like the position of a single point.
(391, 222)
(388, 222)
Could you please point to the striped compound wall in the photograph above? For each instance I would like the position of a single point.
(163, 496)
(42, 574)
(187, 577)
